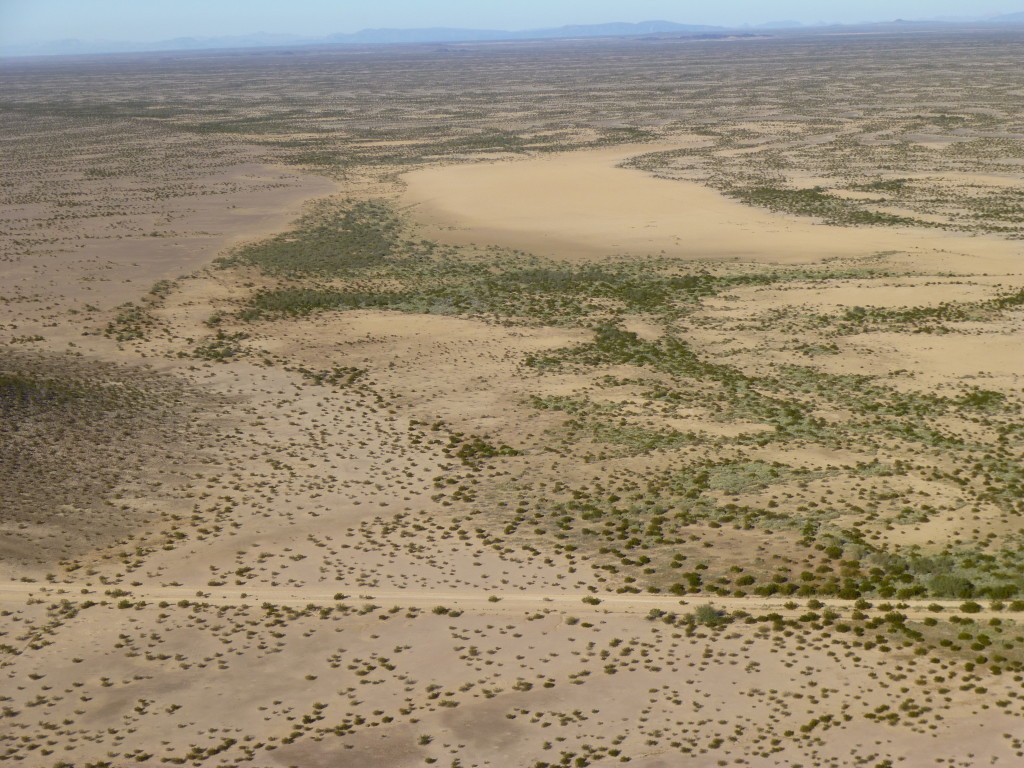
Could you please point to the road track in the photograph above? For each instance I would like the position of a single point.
(481, 602)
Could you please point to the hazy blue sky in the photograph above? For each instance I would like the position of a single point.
(24, 21)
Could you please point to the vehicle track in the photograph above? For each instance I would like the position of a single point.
(493, 602)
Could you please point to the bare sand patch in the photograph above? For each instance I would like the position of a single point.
(461, 371)
(580, 205)
(988, 361)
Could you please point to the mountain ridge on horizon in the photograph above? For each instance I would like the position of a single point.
(387, 35)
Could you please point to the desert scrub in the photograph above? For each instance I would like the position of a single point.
(300, 301)
(64, 425)
(733, 393)
(817, 202)
(25, 389)
(222, 346)
(876, 416)
(474, 450)
(329, 241)
(338, 376)
(613, 345)
(132, 322)
(361, 255)
(922, 319)
(510, 288)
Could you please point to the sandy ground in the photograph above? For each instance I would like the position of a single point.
(581, 205)
(306, 597)
(102, 269)
(497, 602)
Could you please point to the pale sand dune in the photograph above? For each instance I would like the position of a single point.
(580, 205)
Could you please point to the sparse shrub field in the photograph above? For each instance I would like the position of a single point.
(481, 503)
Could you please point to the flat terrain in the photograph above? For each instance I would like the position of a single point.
(550, 404)
(584, 205)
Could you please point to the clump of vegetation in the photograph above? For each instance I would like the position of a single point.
(817, 202)
(330, 241)
(222, 346)
(131, 323)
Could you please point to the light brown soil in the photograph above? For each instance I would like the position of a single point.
(282, 574)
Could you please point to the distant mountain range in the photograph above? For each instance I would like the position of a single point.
(363, 37)
(392, 36)
(447, 35)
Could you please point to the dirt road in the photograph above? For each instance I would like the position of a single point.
(17, 593)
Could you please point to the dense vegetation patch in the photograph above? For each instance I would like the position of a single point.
(817, 202)
(329, 241)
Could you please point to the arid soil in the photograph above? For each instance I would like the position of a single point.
(589, 410)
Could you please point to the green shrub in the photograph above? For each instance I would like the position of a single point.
(709, 616)
(950, 585)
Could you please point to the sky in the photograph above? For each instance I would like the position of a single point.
(30, 21)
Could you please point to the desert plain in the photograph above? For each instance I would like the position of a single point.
(650, 401)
